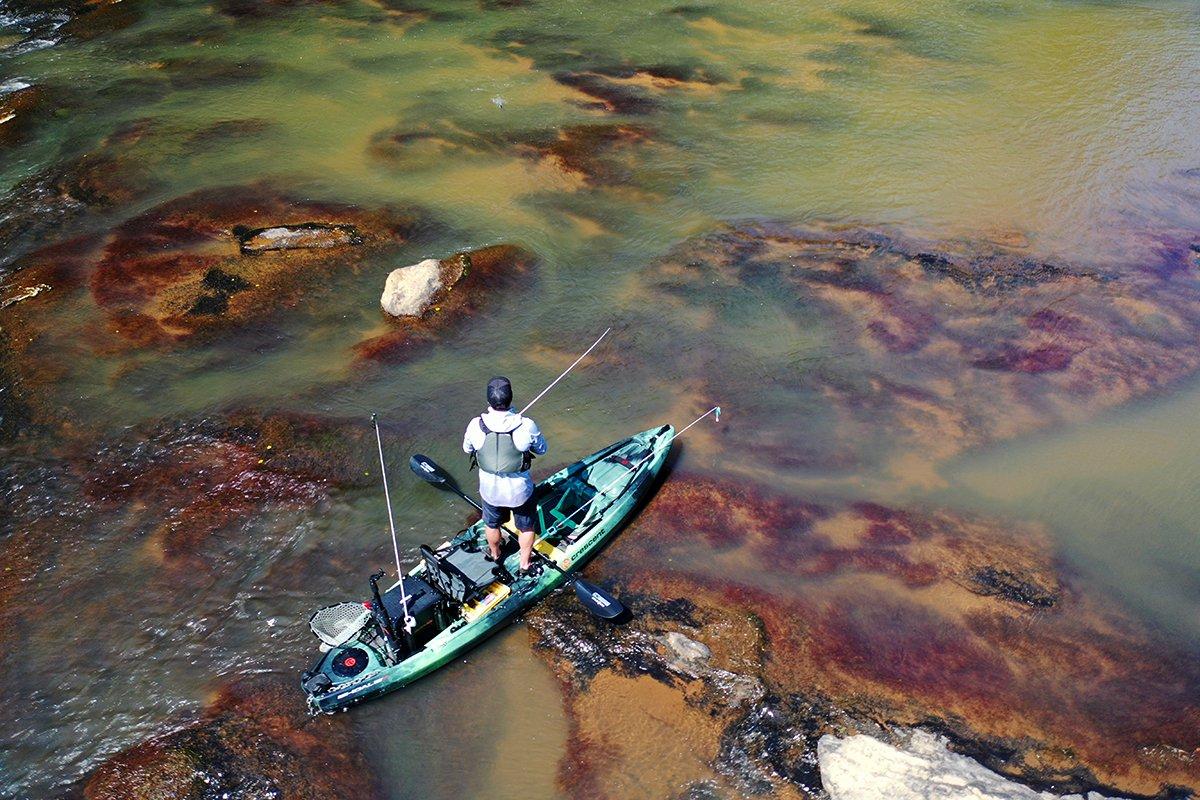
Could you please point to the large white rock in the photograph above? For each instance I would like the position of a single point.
(410, 290)
(863, 768)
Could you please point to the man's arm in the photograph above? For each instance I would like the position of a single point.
(468, 445)
(537, 442)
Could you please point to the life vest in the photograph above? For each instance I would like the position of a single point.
(499, 453)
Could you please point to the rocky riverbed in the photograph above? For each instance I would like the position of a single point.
(862, 619)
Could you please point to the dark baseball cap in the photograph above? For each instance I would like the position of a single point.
(499, 393)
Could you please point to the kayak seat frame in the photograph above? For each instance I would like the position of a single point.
(562, 513)
(451, 581)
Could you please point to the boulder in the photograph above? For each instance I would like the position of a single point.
(409, 291)
(470, 279)
(863, 768)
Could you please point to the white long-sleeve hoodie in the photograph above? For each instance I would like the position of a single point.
(506, 489)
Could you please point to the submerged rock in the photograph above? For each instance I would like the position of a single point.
(16, 109)
(925, 348)
(194, 266)
(185, 482)
(254, 741)
(862, 768)
(598, 154)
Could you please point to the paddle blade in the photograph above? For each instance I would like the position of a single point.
(428, 471)
(598, 601)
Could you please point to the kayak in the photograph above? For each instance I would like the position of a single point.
(456, 597)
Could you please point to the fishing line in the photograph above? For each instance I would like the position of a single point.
(565, 371)
(716, 410)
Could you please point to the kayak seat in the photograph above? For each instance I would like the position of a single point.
(458, 574)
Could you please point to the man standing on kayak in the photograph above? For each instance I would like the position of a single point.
(502, 443)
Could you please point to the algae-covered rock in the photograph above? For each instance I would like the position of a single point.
(185, 482)
(219, 259)
(254, 741)
(908, 352)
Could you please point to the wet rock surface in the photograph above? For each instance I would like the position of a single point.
(255, 740)
(862, 768)
(932, 347)
(858, 618)
(183, 483)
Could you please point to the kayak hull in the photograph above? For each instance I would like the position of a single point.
(579, 509)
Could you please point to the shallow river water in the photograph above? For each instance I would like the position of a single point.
(1064, 126)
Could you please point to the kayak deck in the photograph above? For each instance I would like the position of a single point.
(457, 598)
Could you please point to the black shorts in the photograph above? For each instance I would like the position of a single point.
(494, 516)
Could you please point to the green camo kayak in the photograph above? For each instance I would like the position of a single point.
(456, 598)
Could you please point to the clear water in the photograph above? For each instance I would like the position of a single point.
(1063, 121)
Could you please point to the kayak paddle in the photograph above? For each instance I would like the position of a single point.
(434, 475)
(594, 599)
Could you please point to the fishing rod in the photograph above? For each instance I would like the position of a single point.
(529, 405)
(715, 410)
(409, 622)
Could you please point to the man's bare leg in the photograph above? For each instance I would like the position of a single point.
(493, 540)
(526, 540)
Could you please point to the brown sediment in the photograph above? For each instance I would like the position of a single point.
(254, 739)
(595, 154)
(472, 277)
(894, 617)
(933, 347)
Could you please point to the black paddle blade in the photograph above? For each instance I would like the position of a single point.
(598, 601)
(430, 472)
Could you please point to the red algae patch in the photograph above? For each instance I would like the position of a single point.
(208, 261)
(254, 739)
(933, 347)
(865, 618)
(470, 279)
